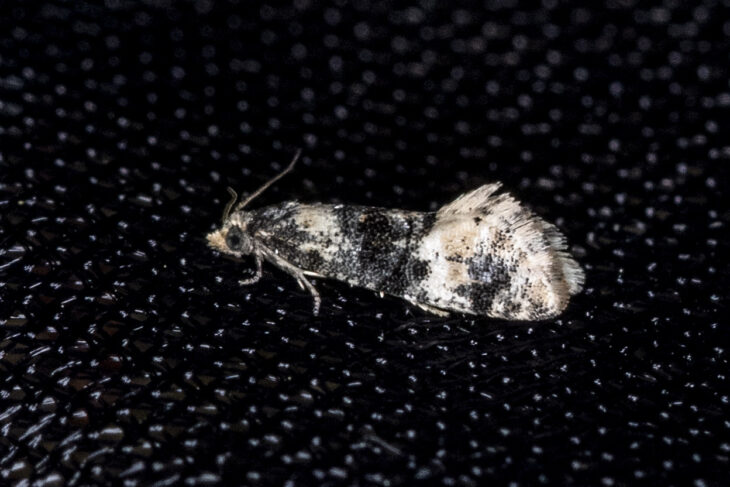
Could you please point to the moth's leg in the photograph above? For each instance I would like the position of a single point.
(429, 308)
(313, 291)
(298, 274)
(257, 276)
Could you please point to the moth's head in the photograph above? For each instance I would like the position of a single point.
(233, 238)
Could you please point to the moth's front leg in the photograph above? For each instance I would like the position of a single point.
(429, 308)
(257, 275)
(313, 291)
(432, 309)
(299, 275)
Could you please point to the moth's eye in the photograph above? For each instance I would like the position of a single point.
(234, 238)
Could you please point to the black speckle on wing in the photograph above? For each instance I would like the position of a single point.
(311, 260)
(490, 275)
(284, 236)
(380, 257)
(418, 270)
(385, 241)
(377, 232)
(271, 215)
(423, 225)
(410, 271)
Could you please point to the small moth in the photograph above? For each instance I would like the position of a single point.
(482, 254)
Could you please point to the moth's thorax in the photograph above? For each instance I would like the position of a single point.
(233, 237)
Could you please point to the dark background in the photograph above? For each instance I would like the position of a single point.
(128, 349)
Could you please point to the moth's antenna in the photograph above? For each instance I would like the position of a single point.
(271, 181)
(229, 205)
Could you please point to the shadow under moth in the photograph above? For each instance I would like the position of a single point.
(482, 254)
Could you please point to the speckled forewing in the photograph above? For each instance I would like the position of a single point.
(364, 246)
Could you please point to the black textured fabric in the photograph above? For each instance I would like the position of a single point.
(128, 350)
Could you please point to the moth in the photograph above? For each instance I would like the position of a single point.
(482, 254)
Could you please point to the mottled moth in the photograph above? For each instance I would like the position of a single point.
(482, 254)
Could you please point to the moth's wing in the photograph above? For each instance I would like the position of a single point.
(491, 255)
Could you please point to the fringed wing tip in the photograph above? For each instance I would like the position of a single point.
(476, 200)
(572, 273)
(568, 268)
(566, 276)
